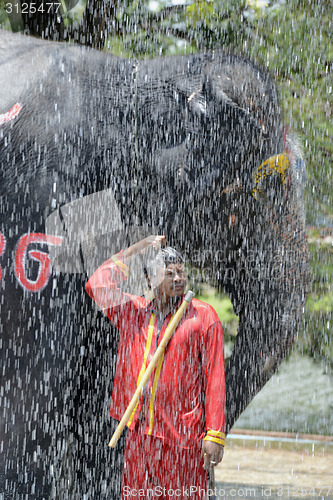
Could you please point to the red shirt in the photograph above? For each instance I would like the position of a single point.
(185, 396)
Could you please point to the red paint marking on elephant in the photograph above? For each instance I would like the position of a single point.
(12, 113)
(43, 258)
(2, 249)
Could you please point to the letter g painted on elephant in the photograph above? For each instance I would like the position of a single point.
(2, 249)
(21, 258)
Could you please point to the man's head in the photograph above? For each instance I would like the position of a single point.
(166, 273)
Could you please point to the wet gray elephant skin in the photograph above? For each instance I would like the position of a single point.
(191, 147)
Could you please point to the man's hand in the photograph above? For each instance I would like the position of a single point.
(212, 454)
(155, 241)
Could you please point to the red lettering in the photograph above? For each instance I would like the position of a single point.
(43, 258)
(2, 249)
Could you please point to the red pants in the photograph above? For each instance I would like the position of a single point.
(153, 469)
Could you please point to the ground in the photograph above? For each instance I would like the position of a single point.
(254, 467)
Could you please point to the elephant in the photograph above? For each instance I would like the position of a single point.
(96, 150)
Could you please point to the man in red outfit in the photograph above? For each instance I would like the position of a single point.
(176, 431)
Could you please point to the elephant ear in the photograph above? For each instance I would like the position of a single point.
(236, 84)
(232, 120)
(237, 112)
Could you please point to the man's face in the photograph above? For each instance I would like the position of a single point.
(170, 281)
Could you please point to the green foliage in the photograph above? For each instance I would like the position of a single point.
(224, 309)
(145, 46)
(200, 12)
(72, 16)
(223, 306)
(4, 19)
(316, 338)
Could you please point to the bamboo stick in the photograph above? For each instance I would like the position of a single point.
(146, 376)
